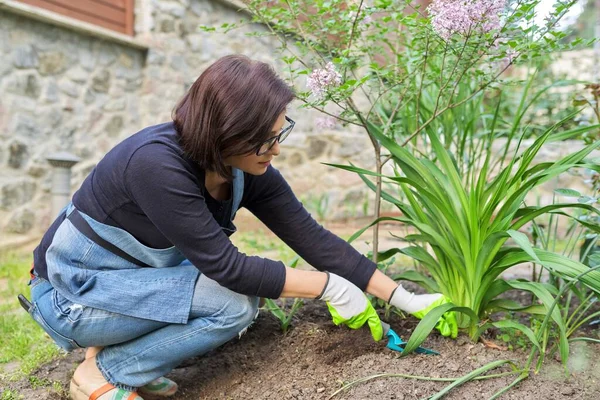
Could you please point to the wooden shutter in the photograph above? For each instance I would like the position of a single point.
(116, 15)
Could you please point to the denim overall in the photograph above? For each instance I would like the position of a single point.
(148, 319)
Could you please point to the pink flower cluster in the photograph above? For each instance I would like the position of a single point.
(325, 122)
(465, 16)
(322, 79)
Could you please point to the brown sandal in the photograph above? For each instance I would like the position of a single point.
(89, 384)
(77, 393)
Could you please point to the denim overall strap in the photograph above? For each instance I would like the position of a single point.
(238, 190)
(125, 241)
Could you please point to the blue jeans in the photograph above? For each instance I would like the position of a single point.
(137, 351)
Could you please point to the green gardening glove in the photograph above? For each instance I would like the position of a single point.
(447, 324)
(348, 305)
(420, 304)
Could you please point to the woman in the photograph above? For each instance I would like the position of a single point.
(139, 267)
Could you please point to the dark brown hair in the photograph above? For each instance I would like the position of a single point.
(230, 110)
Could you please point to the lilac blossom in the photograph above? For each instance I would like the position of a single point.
(322, 79)
(325, 122)
(465, 16)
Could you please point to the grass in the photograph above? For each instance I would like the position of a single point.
(263, 244)
(23, 341)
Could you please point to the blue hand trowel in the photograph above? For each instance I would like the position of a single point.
(396, 343)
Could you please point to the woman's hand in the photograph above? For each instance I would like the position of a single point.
(420, 304)
(348, 305)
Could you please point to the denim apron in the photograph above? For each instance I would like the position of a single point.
(86, 273)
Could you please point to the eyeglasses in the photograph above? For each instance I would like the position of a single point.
(269, 143)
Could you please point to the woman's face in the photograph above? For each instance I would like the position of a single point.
(257, 165)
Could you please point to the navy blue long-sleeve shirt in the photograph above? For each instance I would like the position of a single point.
(147, 186)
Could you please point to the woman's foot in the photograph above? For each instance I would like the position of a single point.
(92, 351)
(159, 387)
(88, 383)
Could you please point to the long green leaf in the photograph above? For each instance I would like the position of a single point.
(428, 323)
(471, 375)
(527, 214)
(511, 305)
(523, 241)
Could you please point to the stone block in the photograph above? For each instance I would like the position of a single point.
(24, 85)
(69, 88)
(350, 146)
(114, 126)
(101, 81)
(128, 67)
(316, 148)
(17, 154)
(189, 26)
(51, 117)
(25, 57)
(25, 126)
(178, 63)
(155, 57)
(78, 74)
(295, 159)
(87, 59)
(106, 55)
(89, 97)
(166, 25)
(52, 63)
(133, 84)
(172, 8)
(16, 193)
(51, 94)
(21, 221)
(196, 42)
(117, 104)
(37, 169)
(201, 8)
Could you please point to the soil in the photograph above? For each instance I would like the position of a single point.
(315, 358)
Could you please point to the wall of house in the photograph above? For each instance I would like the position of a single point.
(63, 90)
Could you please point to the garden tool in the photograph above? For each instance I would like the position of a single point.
(396, 343)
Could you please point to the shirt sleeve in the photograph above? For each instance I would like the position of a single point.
(271, 199)
(169, 193)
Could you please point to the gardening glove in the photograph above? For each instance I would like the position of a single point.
(348, 305)
(420, 304)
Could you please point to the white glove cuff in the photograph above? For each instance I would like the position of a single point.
(401, 298)
(320, 297)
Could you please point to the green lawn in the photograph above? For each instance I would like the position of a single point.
(24, 345)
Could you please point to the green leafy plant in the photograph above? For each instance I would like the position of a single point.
(465, 219)
(284, 313)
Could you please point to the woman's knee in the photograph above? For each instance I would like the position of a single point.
(240, 312)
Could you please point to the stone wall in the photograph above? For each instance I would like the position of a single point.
(63, 90)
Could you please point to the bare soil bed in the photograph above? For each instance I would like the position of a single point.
(316, 358)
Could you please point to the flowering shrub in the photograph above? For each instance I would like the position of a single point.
(320, 80)
(465, 17)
